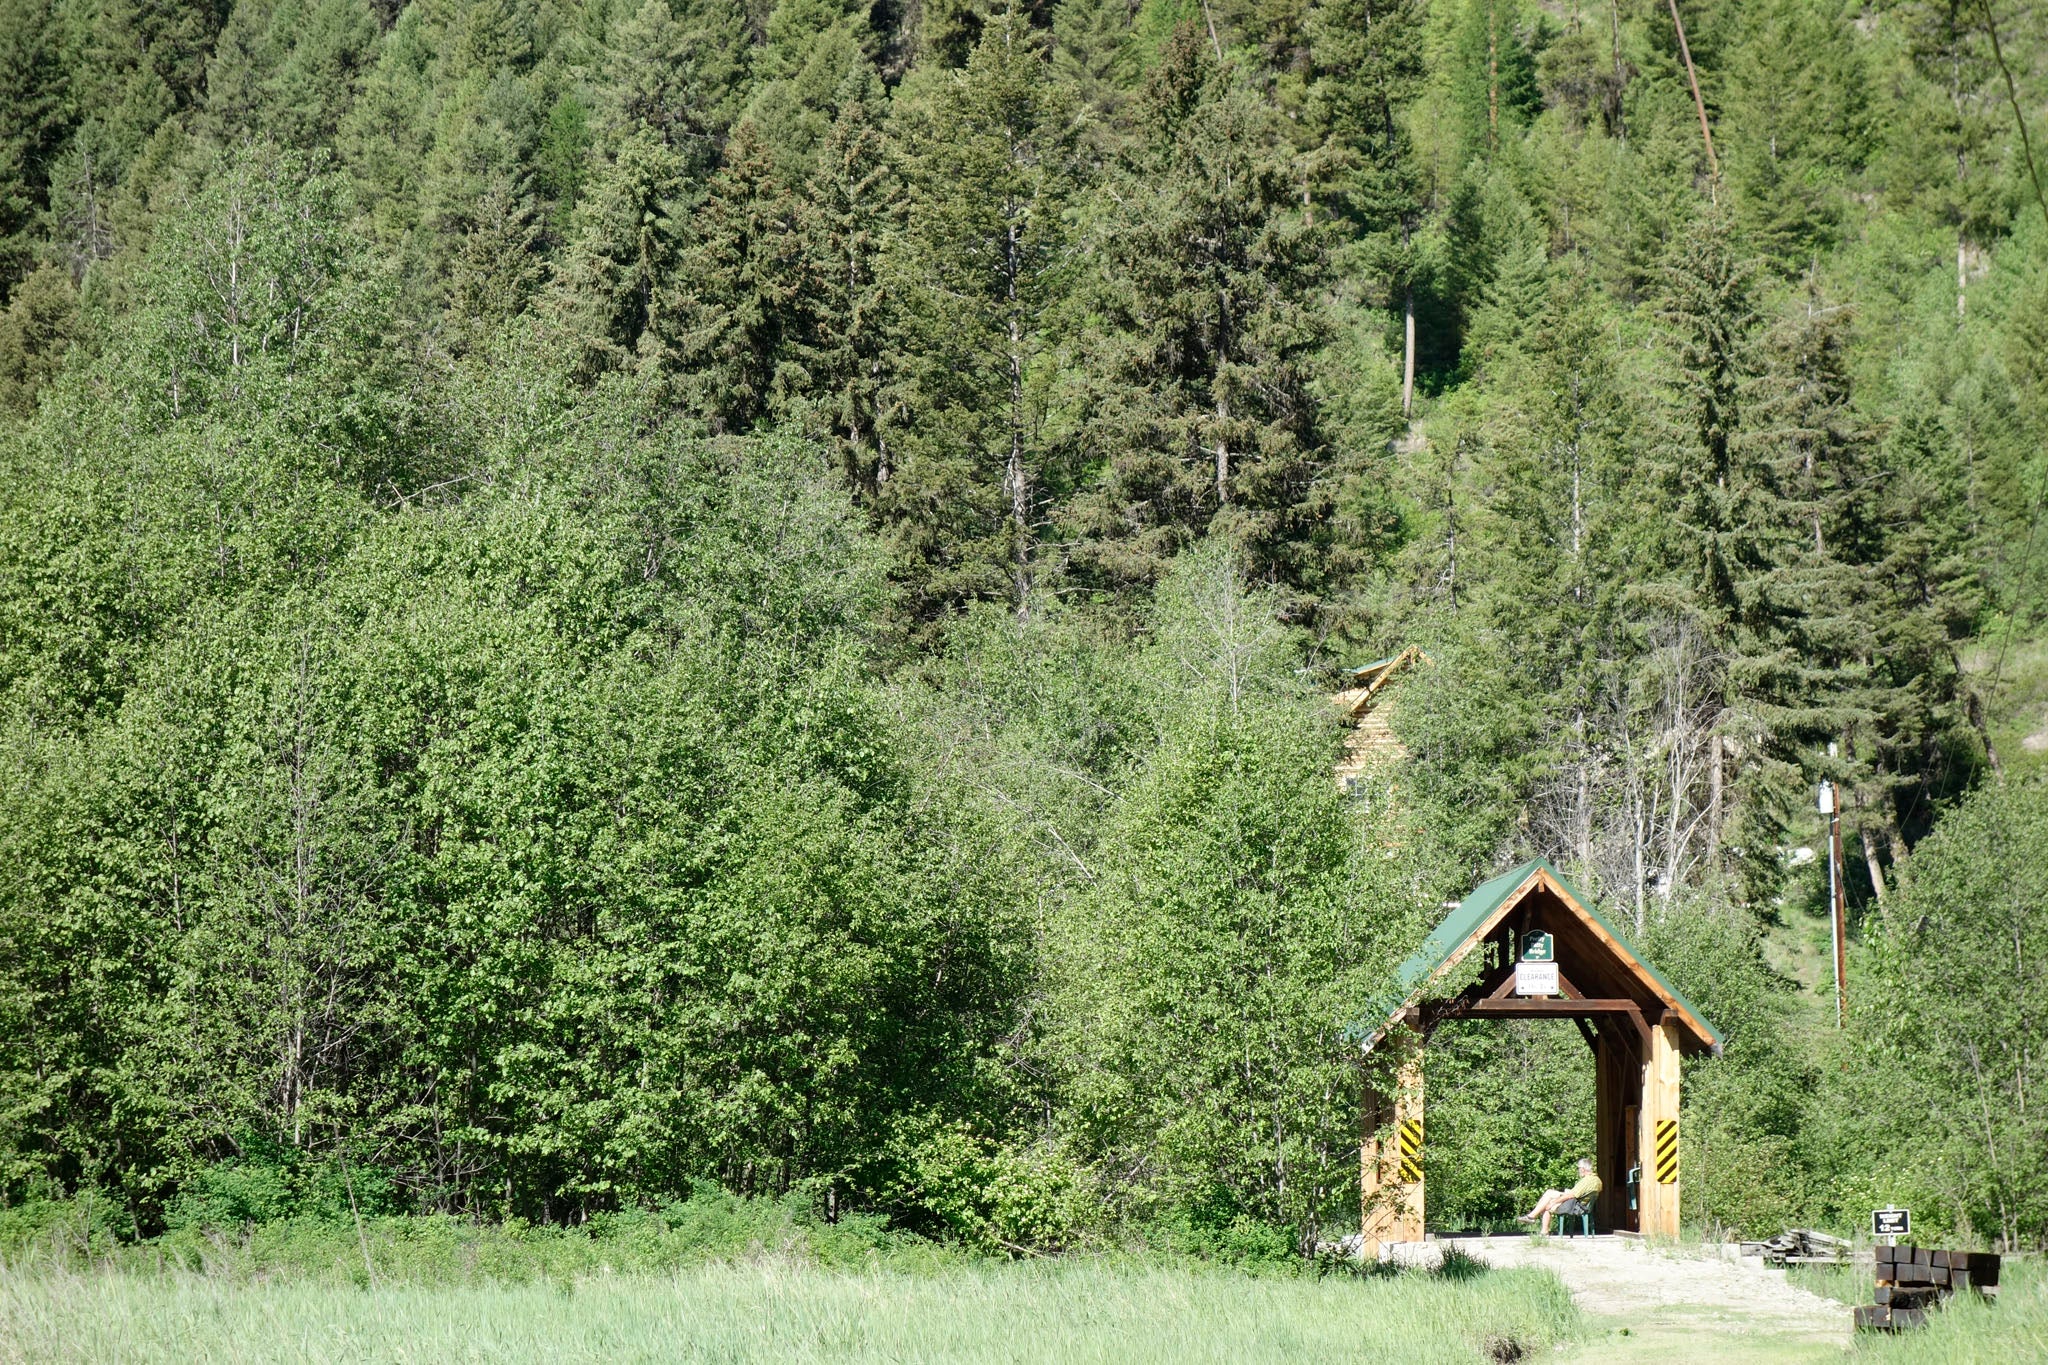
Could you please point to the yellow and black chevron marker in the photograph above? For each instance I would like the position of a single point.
(1667, 1151)
(1411, 1151)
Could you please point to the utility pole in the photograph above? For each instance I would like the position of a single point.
(1831, 806)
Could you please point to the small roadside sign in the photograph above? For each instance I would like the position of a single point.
(1538, 946)
(1891, 1223)
(1535, 978)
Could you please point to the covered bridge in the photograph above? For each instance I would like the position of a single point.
(1543, 953)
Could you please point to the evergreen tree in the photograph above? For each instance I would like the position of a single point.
(1492, 77)
(1095, 51)
(852, 207)
(1712, 550)
(1560, 528)
(679, 76)
(33, 115)
(1794, 128)
(35, 332)
(289, 70)
(499, 267)
(812, 51)
(1202, 412)
(989, 156)
(1368, 56)
(740, 290)
(610, 290)
(1800, 672)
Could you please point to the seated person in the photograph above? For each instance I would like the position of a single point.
(1566, 1203)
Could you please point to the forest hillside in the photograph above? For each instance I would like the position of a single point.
(604, 595)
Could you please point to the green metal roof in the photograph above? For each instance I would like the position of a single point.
(1466, 920)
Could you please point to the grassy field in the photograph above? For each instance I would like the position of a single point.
(1969, 1331)
(1076, 1310)
(722, 1279)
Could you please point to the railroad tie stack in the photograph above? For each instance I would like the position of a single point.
(1911, 1280)
(1799, 1246)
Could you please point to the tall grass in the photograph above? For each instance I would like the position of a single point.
(1967, 1331)
(426, 1249)
(1079, 1310)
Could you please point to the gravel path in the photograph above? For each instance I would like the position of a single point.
(1720, 1306)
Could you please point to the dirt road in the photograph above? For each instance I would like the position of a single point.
(1677, 1306)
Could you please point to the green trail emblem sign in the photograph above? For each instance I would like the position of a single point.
(1536, 973)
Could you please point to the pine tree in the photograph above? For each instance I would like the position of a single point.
(35, 332)
(809, 74)
(1942, 132)
(1711, 550)
(1793, 128)
(1493, 77)
(1095, 51)
(1799, 669)
(609, 294)
(1867, 593)
(1202, 409)
(852, 208)
(739, 289)
(1369, 68)
(990, 159)
(677, 75)
(32, 123)
(498, 267)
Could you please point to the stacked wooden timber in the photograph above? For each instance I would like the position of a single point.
(1799, 1246)
(1911, 1280)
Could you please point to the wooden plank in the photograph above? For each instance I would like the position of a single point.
(1390, 1176)
(1695, 1027)
(1605, 1116)
(1531, 1007)
(1659, 1193)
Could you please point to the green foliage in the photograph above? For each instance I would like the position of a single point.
(990, 159)
(1208, 966)
(1494, 1147)
(601, 597)
(1954, 987)
(35, 332)
(1209, 321)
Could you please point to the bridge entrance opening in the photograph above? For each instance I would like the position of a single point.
(1527, 945)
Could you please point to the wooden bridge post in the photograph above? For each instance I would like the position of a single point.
(1659, 1140)
(1390, 1193)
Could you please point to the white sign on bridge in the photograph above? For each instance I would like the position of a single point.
(1535, 978)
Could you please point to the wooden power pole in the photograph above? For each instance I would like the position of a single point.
(1831, 806)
